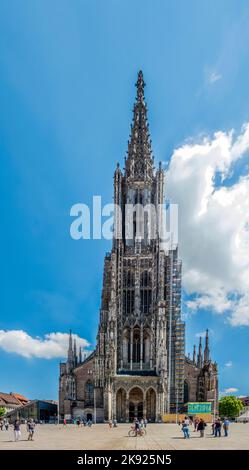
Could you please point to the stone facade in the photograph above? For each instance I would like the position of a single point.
(138, 366)
(201, 376)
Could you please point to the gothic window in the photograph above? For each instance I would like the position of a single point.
(128, 291)
(135, 347)
(145, 291)
(128, 301)
(89, 393)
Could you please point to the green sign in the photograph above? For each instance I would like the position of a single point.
(201, 407)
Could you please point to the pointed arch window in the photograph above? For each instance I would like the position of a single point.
(145, 291)
(89, 393)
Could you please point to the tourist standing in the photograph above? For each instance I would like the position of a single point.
(226, 426)
(217, 428)
(17, 430)
(201, 427)
(185, 428)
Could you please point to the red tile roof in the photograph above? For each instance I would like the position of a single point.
(14, 399)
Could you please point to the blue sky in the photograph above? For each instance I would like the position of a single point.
(67, 74)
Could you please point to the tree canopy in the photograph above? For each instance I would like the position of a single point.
(230, 406)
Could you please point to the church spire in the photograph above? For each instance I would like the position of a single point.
(75, 353)
(199, 357)
(139, 163)
(206, 350)
(80, 355)
(194, 354)
(70, 354)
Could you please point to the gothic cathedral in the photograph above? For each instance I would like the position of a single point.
(138, 368)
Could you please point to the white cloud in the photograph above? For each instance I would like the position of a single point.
(229, 364)
(231, 390)
(214, 77)
(52, 345)
(202, 334)
(213, 223)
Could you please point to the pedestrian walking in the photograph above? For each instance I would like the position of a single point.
(31, 429)
(17, 430)
(145, 422)
(226, 426)
(64, 422)
(201, 427)
(110, 423)
(196, 422)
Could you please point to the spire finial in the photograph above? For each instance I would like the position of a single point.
(199, 357)
(206, 350)
(140, 86)
(70, 350)
(139, 164)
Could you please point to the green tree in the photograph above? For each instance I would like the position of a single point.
(230, 406)
(2, 412)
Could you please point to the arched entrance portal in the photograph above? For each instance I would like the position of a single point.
(135, 403)
(121, 405)
(151, 404)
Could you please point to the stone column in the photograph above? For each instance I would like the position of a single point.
(127, 407)
(144, 406)
(131, 347)
(141, 347)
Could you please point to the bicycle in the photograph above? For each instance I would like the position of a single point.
(136, 432)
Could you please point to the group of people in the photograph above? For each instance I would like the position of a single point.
(139, 425)
(4, 424)
(79, 422)
(30, 426)
(218, 425)
(200, 425)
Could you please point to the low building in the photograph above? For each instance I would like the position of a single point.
(245, 401)
(39, 410)
(10, 401)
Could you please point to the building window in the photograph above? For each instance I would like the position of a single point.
(128, 291)
(145, 291)
(89, 393)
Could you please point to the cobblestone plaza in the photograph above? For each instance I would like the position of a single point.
(100, 437)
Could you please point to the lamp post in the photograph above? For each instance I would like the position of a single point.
(94, 405)
(176, 405)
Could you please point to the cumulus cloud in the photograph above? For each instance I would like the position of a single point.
(213, 222)
(229, 364)
(231, 390)
(52, 345)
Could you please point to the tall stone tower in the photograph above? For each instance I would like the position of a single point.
(138, 368)
(139, 358)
